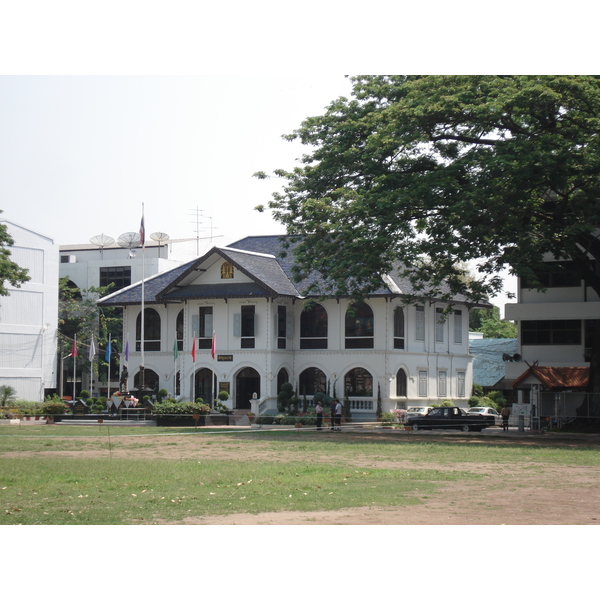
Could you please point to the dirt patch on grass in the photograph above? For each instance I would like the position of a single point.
(511, 494)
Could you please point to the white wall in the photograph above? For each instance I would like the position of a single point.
(29, 317)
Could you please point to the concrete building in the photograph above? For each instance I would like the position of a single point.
(29, 317)
(556, 331)
(234, 320)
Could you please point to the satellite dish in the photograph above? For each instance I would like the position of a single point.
(159, 236)
(101, 241)
(129, 240)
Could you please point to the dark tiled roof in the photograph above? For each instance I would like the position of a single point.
(152, 287)
(224, 290)
(557, 378)
(264, 259)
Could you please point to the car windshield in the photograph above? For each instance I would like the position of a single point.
(477, 410)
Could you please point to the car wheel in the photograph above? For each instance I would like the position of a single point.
(415, 427)
(466, 428)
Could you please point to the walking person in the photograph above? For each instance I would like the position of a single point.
(338, 415)
(505, 413)
(319, 411)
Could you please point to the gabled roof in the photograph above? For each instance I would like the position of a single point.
(263, 259)
(557, 378)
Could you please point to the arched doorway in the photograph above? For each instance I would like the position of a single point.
(247, 383)
(203, 386)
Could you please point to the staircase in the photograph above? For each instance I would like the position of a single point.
(239, 417)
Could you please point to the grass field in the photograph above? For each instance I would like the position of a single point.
(101, 476)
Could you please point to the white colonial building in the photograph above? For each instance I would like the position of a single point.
(29, 317)
(234, 320)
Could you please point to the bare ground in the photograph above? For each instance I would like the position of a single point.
(510, 494)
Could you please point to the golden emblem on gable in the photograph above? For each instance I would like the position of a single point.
(226, 271)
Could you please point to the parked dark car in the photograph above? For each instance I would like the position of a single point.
(452, 417)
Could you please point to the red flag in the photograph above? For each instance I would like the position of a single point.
(74, 352)
(213, 348)
(194, 350)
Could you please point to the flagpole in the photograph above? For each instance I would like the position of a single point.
(92, 354)
(109, 353)
(143, 244)
(74, 366)
(212, 352)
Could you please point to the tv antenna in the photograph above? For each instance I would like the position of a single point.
(101, 241)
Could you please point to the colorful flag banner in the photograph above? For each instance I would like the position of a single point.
(142, 233)
(213, 347)
(127, 351)
(74, 352)
(175, 351)
(194, 349)
(108, 351)
(92, 350)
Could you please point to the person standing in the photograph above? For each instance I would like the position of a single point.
(319, 411)
(505, 413)
(338, 415)
(333, 407)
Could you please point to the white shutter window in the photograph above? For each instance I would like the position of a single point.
(196, 324)
(439, 325)
(458, 337)
(289, 326)
(237, 325)
(420, 323)
(460, 384)
(442, 384)
(423, 384)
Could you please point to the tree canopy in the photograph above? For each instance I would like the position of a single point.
(433, 171)
(10, 272)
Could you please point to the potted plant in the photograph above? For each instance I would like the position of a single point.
(250, 416)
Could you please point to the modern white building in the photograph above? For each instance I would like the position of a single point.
(235, 320)
(29, 317)
(92, 265)
(556, 332)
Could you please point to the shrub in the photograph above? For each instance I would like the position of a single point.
(161, 394)
(388, 417)
(54, 408)
(265, 420)
(223, 396)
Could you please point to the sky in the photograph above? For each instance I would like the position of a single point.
(86, 155)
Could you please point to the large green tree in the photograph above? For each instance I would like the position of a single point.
(433, 171)
(10, 272)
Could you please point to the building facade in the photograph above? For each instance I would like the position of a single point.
(556, 333)
(29, 317)
(234, 320)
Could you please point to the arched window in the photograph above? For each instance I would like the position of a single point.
(401, 384)
(151, 331)
(151, 380)
(358, 382)
(282, 377)
(312, 380)
(313, 328)
(359, 326)
(179, 330)
(399, 328)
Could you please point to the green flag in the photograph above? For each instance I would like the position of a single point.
(175, 350)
